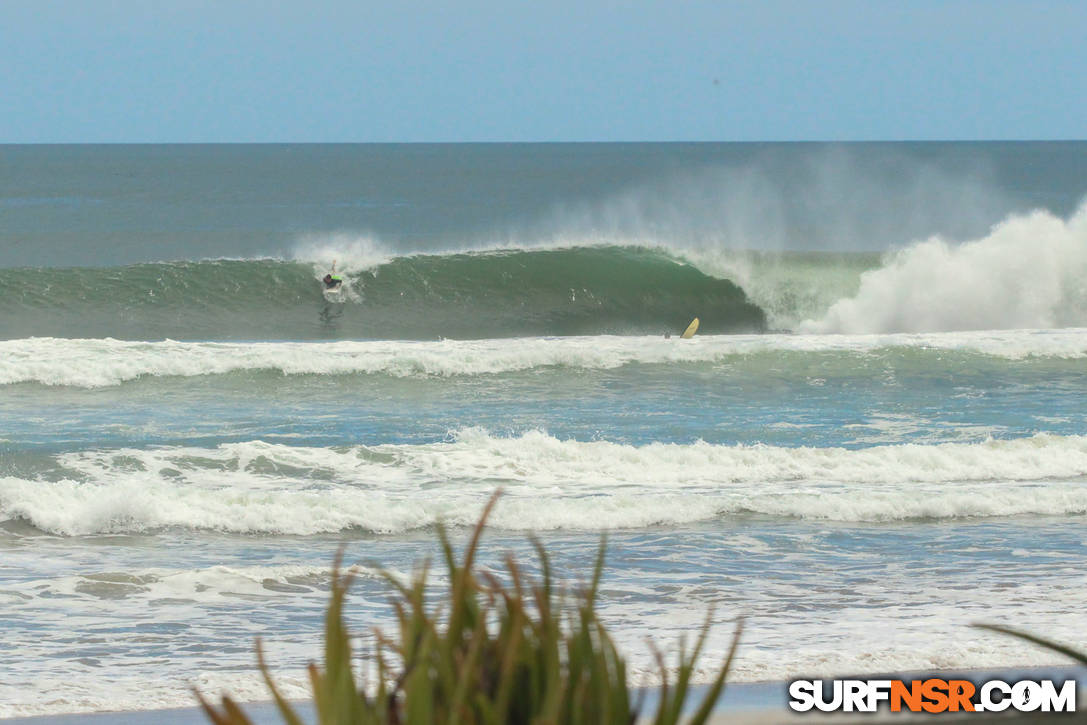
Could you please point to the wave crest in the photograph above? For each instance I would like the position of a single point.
(259, 487)
(576, 291)
(99, 363)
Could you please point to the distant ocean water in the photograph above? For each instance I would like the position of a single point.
(878, 437)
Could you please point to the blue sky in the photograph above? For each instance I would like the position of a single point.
(540, 70)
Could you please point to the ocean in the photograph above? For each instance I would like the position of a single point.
(877, 438)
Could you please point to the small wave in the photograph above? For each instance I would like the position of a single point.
(259, 487)
(201, 584)
(98, 363)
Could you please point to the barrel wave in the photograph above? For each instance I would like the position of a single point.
(506, 293)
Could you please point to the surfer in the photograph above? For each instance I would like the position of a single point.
(332, 280)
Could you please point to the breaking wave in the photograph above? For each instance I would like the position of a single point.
(504, 293)
(1029, 272)
(100, 363)
(265, 488)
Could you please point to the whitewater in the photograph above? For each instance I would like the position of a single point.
(95, 363)
(877, 438)
(263, 488)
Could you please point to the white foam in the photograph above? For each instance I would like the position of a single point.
(259, 487)
(207, 585)
(104, 362)
(124, 692)
(901, 620)
(1029, 272)
(352, 254)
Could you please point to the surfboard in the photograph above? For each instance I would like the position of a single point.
(335, 294)
(691, 330)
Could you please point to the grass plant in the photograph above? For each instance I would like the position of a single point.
(489, 653)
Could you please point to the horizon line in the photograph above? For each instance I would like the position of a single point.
(545, 143)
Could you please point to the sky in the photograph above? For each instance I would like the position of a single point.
(540, 70)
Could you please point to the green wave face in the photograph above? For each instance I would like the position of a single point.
(579, 291)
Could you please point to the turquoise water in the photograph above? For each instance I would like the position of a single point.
(877, 438)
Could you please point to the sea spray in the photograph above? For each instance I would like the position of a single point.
(1029, 272)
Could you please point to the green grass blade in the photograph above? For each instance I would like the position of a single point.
(285, 710)
(718, 686)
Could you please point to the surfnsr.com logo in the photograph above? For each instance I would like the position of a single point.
(932, 695)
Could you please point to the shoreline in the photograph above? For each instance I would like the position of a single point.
(750, 703)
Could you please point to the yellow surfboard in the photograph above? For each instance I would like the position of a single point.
(691, 330)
